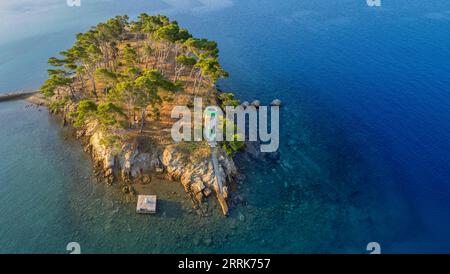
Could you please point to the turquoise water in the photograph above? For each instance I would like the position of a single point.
(364, 132)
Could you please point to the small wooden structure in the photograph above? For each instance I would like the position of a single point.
(146, 204)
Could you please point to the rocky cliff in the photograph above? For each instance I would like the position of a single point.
(124, 161)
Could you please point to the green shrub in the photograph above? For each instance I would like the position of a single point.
(58, 105)
(227, 99)
(231, 147)
(85, 109)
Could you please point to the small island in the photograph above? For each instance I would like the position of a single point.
(117, 87)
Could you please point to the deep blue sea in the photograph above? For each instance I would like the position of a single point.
(365, 131)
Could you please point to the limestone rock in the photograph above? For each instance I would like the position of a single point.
(146, 179)
(125, 189)
(109, 172)
(130, 164)
(207, 192)
(197, 186)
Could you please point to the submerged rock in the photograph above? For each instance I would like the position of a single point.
(241, 217)
(125, 190)
(207, 192)
(146, 179)
(208, 241)
(132, 191)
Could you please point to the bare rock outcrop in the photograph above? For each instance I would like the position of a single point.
(127, 163)
(197, 174)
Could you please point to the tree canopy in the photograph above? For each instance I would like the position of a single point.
(132, 62)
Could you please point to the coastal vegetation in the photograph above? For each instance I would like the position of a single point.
(118, 84)
(128, 64)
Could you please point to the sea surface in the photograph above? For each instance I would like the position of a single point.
(364, 145)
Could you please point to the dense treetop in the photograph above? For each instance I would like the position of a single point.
(119, 68)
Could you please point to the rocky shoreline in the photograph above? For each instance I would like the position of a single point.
(130, 165)
(118, 86)
(125, 163)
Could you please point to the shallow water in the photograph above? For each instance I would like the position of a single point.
(50, 198)
(364, 133)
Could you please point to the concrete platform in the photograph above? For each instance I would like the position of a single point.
(17, 95)
(146, 204)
